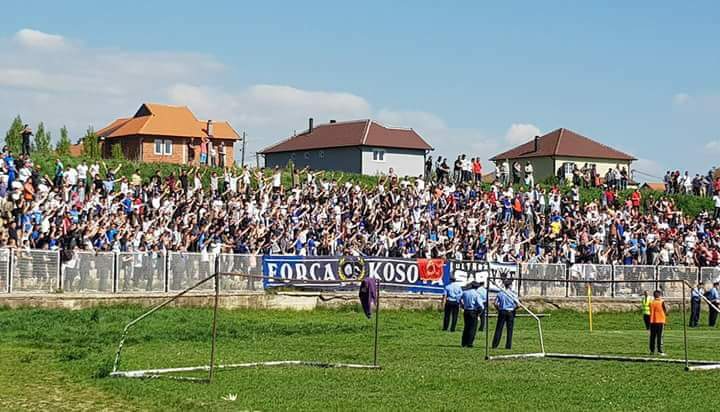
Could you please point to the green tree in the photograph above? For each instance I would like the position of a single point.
(42, 139)
(13, 137)
(91, 144)
(117, 152)
(63, 145)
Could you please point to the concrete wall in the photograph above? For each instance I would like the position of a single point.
(302, 301)
(345, 159)
(404, 162)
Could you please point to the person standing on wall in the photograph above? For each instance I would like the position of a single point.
(695, 298)
(646, 300)
(472, 306)
(506, 304)
(658, 312)
(453, 292)
(26, 133)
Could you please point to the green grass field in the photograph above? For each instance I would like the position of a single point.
(56, 359)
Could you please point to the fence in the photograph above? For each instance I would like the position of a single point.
(621, 281)
(43, 271)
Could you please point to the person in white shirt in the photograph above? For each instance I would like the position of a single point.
(71, 177)
(277, 179)
(82, 170)
(94, 170)
(716, 200)
(529, 178)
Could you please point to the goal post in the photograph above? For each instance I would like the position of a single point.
(549, 344)
(212, 365)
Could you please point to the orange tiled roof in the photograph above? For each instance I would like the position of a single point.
(162, 120)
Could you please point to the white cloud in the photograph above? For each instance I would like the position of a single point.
(680, 99)
(416, 120)
(37, 39)
(90, 86)
(270, 112)
(519, 133)
(713, 146)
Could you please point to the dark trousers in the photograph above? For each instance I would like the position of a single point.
(656, 334)
(506, 318)
(469, 328)
(712, 318)
(451, 315)
(694, 313)
(481, 316)
(646, 319)
(26, 146)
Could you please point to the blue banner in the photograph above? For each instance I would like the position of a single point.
(401, 274)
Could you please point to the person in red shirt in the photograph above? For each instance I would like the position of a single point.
(477, 170)
(635, 197)
(610, 196)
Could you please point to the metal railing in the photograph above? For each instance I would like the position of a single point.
(87, 272)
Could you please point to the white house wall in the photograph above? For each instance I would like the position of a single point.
(405, 162)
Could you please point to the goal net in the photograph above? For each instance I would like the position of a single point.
(607, 326)
(179, 340)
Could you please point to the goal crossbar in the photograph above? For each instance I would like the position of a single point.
(211, 367)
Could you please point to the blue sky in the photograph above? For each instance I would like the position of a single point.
(469, 76)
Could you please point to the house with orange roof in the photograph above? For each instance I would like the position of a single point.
(170, 134)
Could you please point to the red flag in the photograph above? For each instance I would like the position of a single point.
(431, 269)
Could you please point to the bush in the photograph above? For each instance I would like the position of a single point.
(117, 152)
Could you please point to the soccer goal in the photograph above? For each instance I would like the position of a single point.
(610, 335)
(212, 284)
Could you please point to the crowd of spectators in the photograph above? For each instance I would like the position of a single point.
(447, 213)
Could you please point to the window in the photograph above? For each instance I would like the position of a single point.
(163, 147)
(568, 167)
(378, 155)
(307, 155)
(321, 154)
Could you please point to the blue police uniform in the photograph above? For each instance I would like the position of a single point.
(506, 303)
(453, 291)
(472, 305)
(713, 296)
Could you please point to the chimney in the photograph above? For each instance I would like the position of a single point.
(332, 121)
(310, 125)
(536, 143)
(209, 128)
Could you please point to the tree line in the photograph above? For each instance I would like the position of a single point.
(42, 141)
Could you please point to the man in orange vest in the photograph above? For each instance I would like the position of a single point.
(658, 310)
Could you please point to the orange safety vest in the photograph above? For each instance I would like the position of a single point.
(657, 314)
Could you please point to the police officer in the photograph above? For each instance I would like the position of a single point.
(714, 297)
(453, 291)
(506, 304)
(472, 306)
(695, 297)
(483, 298)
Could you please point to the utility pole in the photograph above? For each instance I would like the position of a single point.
(243, 150)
